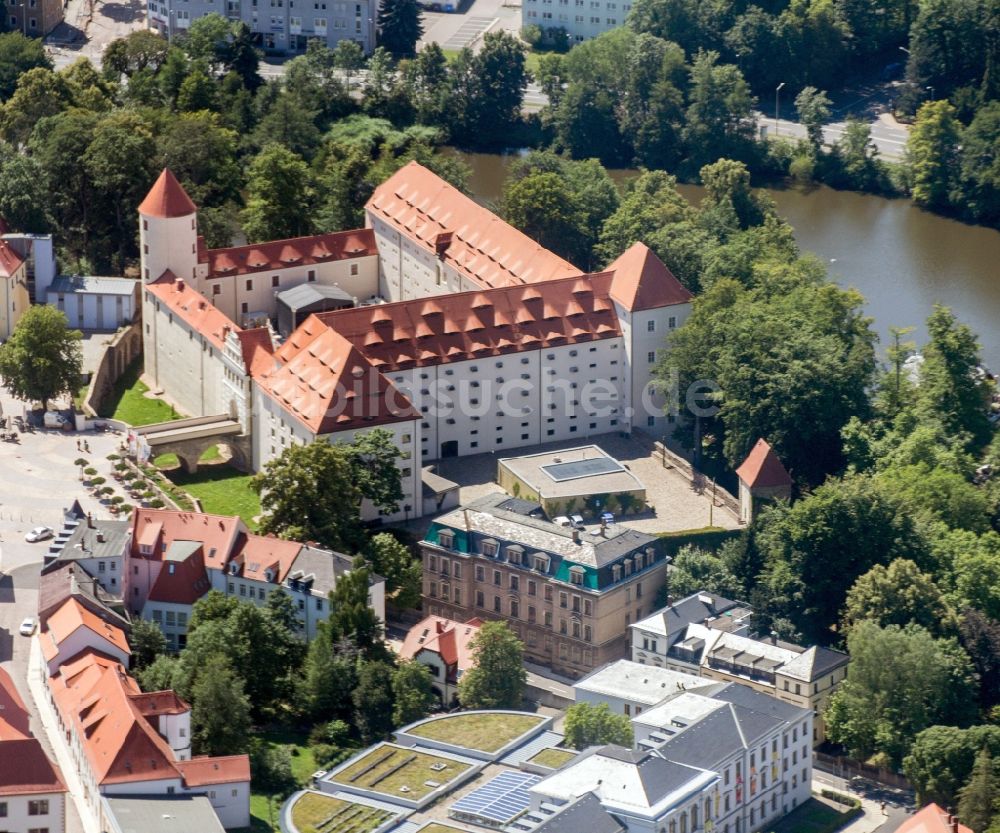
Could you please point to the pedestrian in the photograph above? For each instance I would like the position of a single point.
(77, 443)
(884, 813)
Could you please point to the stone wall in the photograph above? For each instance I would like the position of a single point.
(119, 353)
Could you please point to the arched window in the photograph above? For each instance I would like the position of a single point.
(684, 822)
(708, 808)
(694, 817)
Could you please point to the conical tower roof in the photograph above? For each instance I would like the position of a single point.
(167, 198)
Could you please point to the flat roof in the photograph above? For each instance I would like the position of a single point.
(639, 683)
(92, 285)
(164, 814)
(585, 470)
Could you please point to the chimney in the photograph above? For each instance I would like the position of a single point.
(604, 527)
(100, 537)
(468, 523)
(441, 243)
(225, 332)
(576, 536)
(90, 521)
(774, 637)
(179, 285)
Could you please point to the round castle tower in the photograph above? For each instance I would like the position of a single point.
(168, 231)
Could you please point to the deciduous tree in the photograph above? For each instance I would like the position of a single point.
(411, 689)
(280, 195)
(497, 678)
(147, 643)
(42, 359)
(220, 712)
(977, 800)
(374, 701)
(402, 571)
(589, 725)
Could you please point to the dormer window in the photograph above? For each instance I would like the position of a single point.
(489, 548)
(515, 554)
(145, 549)
(540, 562)
(616, 572)
(576, 575)
(628, 566)
(446, 538)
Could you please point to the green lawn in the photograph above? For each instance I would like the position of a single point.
(437, 827)
(552, 757)
(813, 817)
(303, 766)
(387, 769)
(313, 811)
(484, 731)
(170, 461)
(221, 489)
(128, 404)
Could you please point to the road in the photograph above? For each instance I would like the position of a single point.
(899, 804)
(887, 134)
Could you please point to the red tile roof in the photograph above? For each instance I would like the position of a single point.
(762, 468)
(228, 769)
(932, 819)
(217, 533)
(10, 261)
(25, 769)
(70, 618)
(155, 703)
(283, 254)
(257, 349)
(181, 582)
(14, 721)
(328, 385)
(257, 553)
(167, 198)
(643, 282)
(468, 237)
(191, 307)
(474, 325)
(446, 637)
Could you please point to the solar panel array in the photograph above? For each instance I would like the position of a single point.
(500, 800)
(582, 468)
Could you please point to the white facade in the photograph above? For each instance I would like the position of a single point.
(582, 19)
(94, 303)
(37, 811)
(629, 688)
(14, 300)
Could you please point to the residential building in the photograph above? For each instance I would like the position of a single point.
(33, 18)
(175, 558)
(630, 688)
(37, 252)
(568, 594)
(94, 303)
(72, 630)
(444, 647)
(14, 296)
(159, 814)
(127, 742)
(488, 342)
(707, 635)
(582, 19)
(277, 27)
(32, 792)
(933, 819)
(98, 547)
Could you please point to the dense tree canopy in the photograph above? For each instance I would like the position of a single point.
(497, 678)
(42, 359)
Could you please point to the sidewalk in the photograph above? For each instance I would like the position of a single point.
(57, 741)
(872, 818)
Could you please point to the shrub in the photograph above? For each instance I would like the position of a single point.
(90, 471)
(79, 461)
(112, 457)
(841, 798)
(156, 503)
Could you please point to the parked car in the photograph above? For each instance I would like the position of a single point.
(39, 533)
(562, 520)
(576, 521)
(54, 419)
(27, 627)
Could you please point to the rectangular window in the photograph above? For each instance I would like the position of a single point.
(39, 807)
(275, 280)
(311, 274)
(496, 604)
(480, 601)
(650, 326)
(249, 285)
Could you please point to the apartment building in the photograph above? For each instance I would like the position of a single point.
(569, 595)
(707, 635)
(32, 792)
(278, 26)
(175, 558)
(582, 19)
(33, 18)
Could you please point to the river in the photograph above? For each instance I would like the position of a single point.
(903, 260)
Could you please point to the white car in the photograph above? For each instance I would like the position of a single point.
(27, 627)
(39, 533)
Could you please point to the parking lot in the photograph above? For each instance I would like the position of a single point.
(456, 30)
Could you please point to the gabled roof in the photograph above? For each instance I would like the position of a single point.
(228, 769)
(25, 769)
(191, 307)
(932, 819)
(327, 384)
(257, 350)
(467, 236)
(445, 637)
(70, 618)
(14, 721)
(182, 580)
(585, 815)
(155, 703)
(762, 468)
(693, 609)
(62, 580)
(217, 533)
(167, 198)
(10, 261)
(474, 325)
(257, 553)
(642, 281)
(283, 254)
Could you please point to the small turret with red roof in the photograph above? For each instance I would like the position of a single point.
(762, 476)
